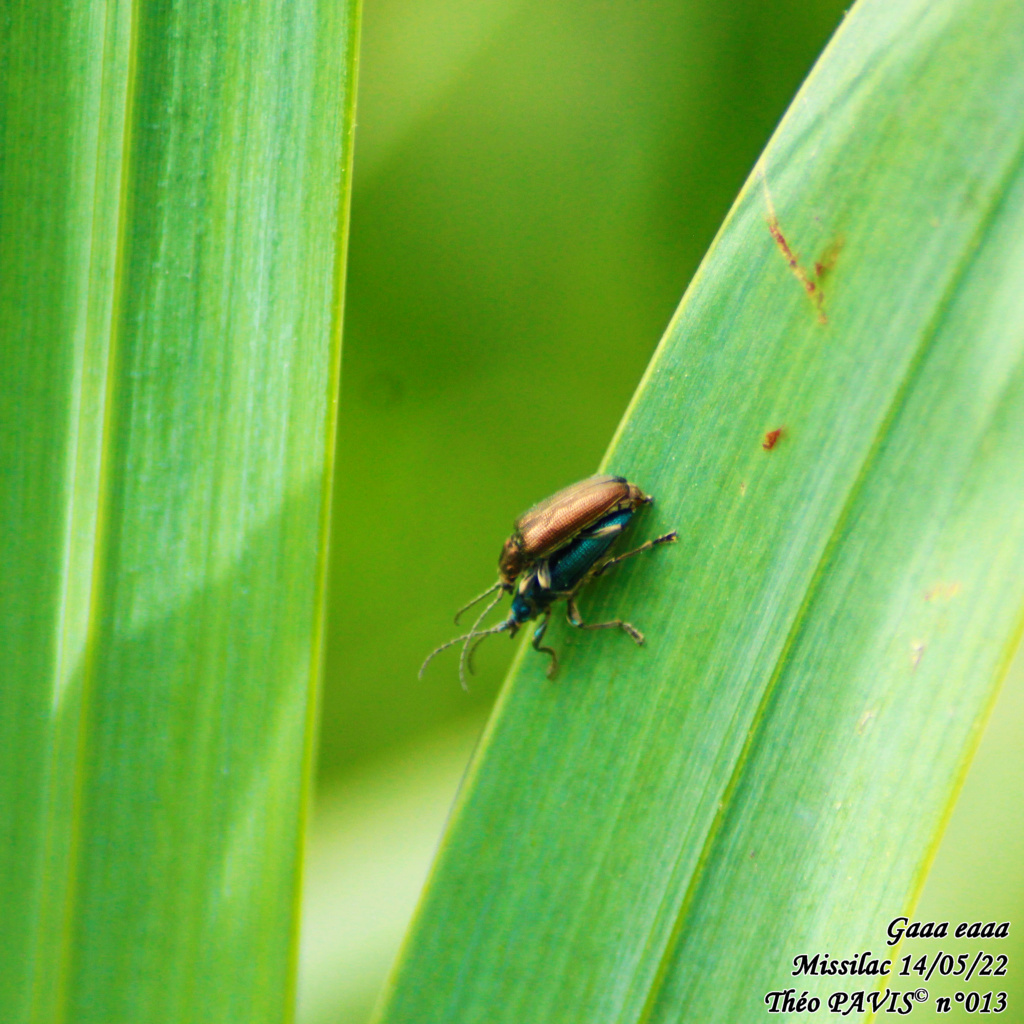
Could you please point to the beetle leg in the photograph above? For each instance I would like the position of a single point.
(604, 531)
(572, 613)
(665, 538)
(543, 571)
(538, 635)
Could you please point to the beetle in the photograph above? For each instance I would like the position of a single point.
(555, 522)
(556, 547)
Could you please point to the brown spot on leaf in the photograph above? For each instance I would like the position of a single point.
(810, 282)
(824, 264)
(810, 286)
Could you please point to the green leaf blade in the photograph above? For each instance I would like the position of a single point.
(661, 831)
(62, 127)
(172, 339)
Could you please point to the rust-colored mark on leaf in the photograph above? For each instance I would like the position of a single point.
(811, 283)
(814, 292)
(942, 591)
(827, 260)
(771, 439)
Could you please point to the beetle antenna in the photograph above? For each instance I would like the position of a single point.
(501, 627)
(479, 597)
(466, 660)
(469, 654)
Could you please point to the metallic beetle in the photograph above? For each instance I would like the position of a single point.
(555, 549)
(554, 522)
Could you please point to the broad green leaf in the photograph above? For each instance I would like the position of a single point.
(658, 833)
(173, 196)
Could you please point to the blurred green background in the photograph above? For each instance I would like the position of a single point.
(535, 184)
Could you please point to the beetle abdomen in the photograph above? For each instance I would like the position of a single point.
(568, 566)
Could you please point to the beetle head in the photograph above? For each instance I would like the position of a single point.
(512, 561)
